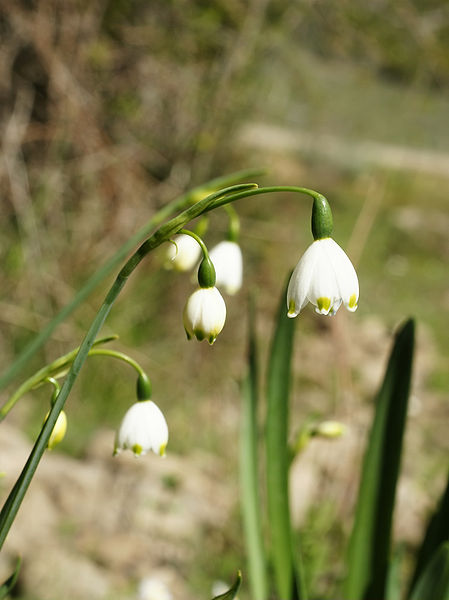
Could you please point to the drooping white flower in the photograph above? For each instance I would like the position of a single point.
(325, 277)
(204, 314)
(183, 253)
(143, 428)
(227, 259)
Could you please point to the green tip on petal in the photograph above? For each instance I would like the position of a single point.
(352, 304)
(323, 304)
(212, 339)
(137, 449)
(291, 308)
(162, 449)
(199, 334)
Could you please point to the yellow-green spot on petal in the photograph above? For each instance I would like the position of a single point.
(291, 307)
(323, 304)
(353, 302)
(137, 449)
(199, 334)
(162, 449)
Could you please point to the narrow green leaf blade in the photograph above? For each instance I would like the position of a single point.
(277, 464)
(437, 533)
(369, 547)
(7, 586)
(434, 581)
(232, 592)
(249, 480)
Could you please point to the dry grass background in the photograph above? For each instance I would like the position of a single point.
(109, 110)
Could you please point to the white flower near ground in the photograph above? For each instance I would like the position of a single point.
(228, 262)
(152, 588)
(143, 428)
(183, 253)
(325, 277)
(204, 314)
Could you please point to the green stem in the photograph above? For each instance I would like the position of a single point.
(55, 369)
(234, 223)
(56, 388)
(197, 238)
(116, 354)
(265, 190)
(165, 212)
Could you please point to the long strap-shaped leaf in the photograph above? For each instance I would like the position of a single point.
(369, 547)
(249, 480)
(434, 581)
(437, 533)
(288, 584)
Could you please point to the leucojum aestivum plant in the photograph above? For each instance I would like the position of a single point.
(324, 277)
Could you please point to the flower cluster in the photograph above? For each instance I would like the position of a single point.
(324, 276)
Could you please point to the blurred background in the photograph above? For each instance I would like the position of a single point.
(109, 110)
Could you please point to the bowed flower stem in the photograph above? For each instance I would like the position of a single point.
(234, 223)
(15, 498)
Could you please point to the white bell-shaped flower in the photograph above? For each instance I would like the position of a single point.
(183, 253)
(228, 262)
(143, 428)
(325, 277)
(204, 314)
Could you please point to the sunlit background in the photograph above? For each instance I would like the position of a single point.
(111, 109)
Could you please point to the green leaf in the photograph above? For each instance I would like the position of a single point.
(232, 592)
(437, 533)
(249, 480)
(369, 548)
(288, 583)
(393, 579)
(433, 583)
(7, 586)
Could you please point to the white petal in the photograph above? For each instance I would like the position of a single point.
(347, 280)
(227, 259)
(324, 292)
(300, 281)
